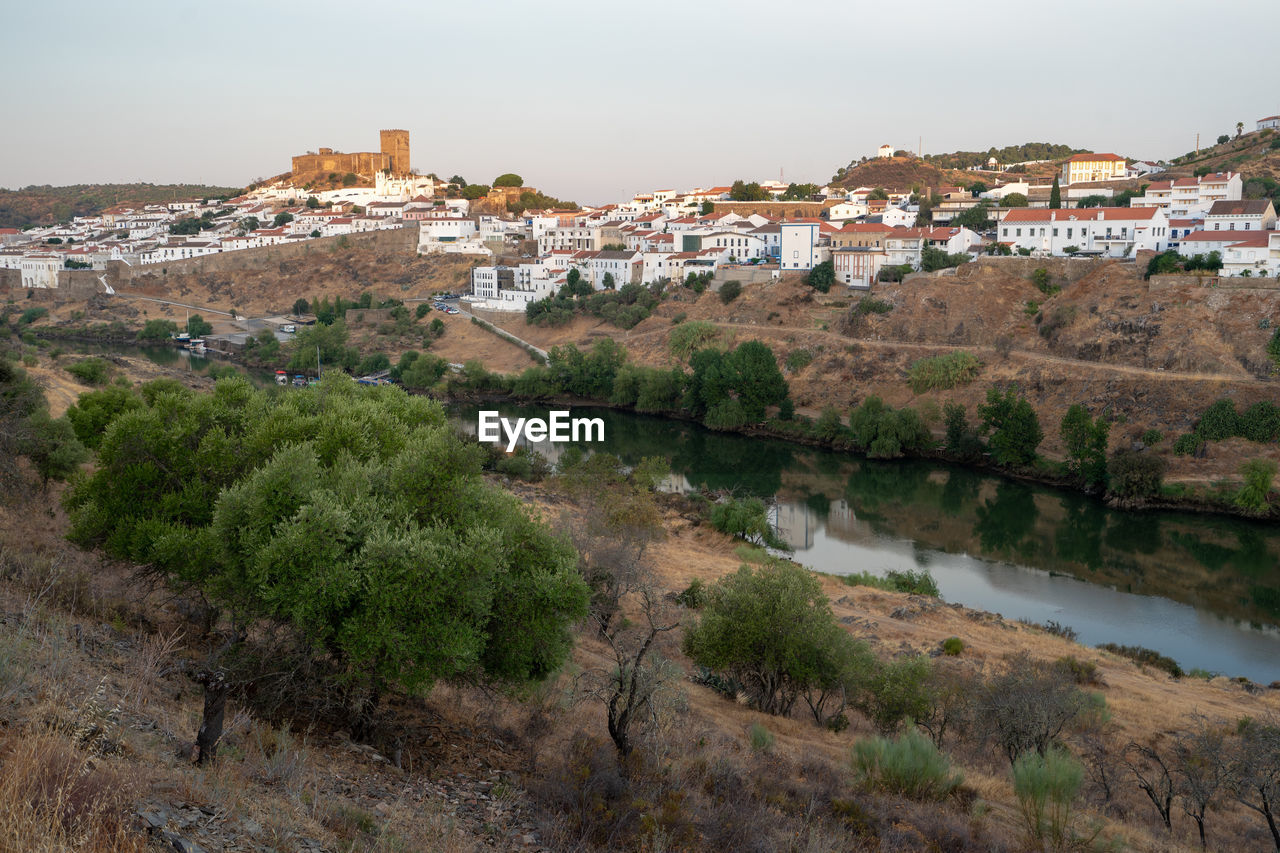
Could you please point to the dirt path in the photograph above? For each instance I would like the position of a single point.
(1030, 355)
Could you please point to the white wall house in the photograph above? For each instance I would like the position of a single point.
(1191, 198)
(1258, 254)
(740, 246)
(452, 229)
(798, 244)
(858, 266)
(1272, 122)
(1117, 232)
(40, 270)
(845, 211)
(1255, 214)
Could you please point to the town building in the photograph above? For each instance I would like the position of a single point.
(1117, 232)
(1090, 168)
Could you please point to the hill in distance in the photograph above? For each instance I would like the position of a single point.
(48, 205)
(908, 171)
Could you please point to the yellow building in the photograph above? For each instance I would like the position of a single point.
(1089, 167)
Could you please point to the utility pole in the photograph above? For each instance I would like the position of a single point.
(1197, 143)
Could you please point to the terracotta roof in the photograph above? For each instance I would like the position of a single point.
(1259, 240)
(1214, 236)
(1087, 214)
(1092, 158)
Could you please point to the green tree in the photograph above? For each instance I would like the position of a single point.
(350, 179)
(1055, 194)
(1086, 442)
(52, 446)
(976, 218)
(353, 517)
(301, 306)
(738, 634)
(330, 340)
(249, 223)
(509, 179)
(1224, 139)
(1136, 475)
(158, 330)
(1220, 421)
(1014, 200)
(198, 327)
(743, 191)
(730, 291)
(284, 217)
(95, 410)
(472, 192)
(822, 276)
(313, 203)
(1012, 427)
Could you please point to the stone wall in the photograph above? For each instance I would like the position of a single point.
(359, 162)
(785, 209)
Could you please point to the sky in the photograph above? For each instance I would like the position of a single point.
(596, 101)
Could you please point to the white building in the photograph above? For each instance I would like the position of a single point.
(858, 266)
(1255, 214)
(1117, 232)
(1191, 198)
(1272, 122)
(451, 229)
(40, 270)
(845, 211)
(798, 244)
(1258, 254)
(885, 151)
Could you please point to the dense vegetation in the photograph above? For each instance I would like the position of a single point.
(1005, 156)
(47, 205)
(351, 516)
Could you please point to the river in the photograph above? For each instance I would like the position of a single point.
(1203, 589)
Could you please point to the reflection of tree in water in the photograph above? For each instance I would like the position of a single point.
(819, 503)
(1135, 533)
(874, 483)
(1078, 538)
(960, 493)
(1005, 522)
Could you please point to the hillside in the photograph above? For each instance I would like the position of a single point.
(1256, 156)
(48, 205)
(1153, 358)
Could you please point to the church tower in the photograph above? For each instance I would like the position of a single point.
(395, 144)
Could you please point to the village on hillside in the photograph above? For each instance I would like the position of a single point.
(761, 229)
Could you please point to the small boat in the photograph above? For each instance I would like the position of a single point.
(197, 345)
(282, 378)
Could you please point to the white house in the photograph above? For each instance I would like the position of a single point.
(1255, 214)
(452, 229)
(1258, 254)
(740, 246)
(1190, 198)
(625, 267)
(1116, 232)
(798, 245)
(845, 211)
(1204, 242)
(858, 266)
(885, 151)
(1272, 122)
(896, 217)
(40, 270)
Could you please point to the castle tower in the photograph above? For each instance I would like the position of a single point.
(395, 144)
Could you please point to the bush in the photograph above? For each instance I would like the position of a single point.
(914, 581)
(799, 359)
(1187, 444)
(871, 305)
(1040, 278)
(730, 291)
(1081, 671)
(1219, 422)
(1253, 495)
(1146, 657)
(1136, 475)
(821, 277)
(761, 738)
(694, 595)
(1152, 437)
(1046, 786)
(91, 371)
(746, 518)
(942, 372)
(909, 765)
(30, 315)
(157, 330)
(1013, 427)
(1261, 422)
(690, 337)
(952, 646)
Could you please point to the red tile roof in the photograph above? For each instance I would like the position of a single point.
(1090, 214)
(1092, 158)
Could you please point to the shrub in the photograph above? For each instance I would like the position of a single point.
(694, 595)
(1136, 475)
(943, 372)
(895, 691)
(157, 330)
(1152, 437)
(692, 336)
(1040, 278)
(914, 581)
(1220, 421)
(909, 765)
(1013, 427)
(1046, 786)
(1146, 657)
(1187, 444)
(1253, 495)
(1056, 628)
(30, 315)
(91, 371)
(821, 277)
(1261, 422)
(799, 359)
(730, 291)
(1081, 671)
(761, 738)
(871, 305)
(952, 646)
(746, 518)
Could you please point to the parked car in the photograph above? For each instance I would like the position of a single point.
(290, 329)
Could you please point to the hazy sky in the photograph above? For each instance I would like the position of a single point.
(597, 101)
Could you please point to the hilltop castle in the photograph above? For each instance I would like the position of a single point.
(393, 158)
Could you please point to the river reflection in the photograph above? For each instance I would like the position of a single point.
(1203, 589)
